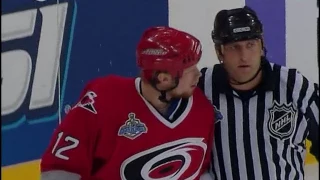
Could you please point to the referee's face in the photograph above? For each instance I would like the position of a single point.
(242, 59)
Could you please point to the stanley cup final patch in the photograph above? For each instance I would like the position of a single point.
(132, 128)
(282, 120)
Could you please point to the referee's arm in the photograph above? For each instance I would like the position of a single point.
(312, 115)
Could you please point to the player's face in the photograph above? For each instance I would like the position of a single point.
(242, 59)
(187, 83)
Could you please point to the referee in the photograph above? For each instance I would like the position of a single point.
(264, 112)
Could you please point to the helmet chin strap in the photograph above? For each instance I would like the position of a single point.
(163, 97)
(235, 82)
(163, 93)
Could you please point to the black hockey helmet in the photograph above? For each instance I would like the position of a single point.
(236, 25)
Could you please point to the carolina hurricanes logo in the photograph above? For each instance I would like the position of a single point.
(87, 102)
(177, 160)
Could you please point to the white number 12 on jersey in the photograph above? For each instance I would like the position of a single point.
(58, 152)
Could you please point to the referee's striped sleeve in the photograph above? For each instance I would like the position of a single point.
(312, 115)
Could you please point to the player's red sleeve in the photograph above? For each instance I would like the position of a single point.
(72, 144)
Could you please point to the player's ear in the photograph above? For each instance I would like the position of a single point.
(164, 77)
(263, 51)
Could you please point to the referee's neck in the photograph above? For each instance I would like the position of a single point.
(250, 85)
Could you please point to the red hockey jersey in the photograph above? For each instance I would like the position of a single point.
(113, 133)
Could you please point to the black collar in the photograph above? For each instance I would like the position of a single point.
(221, 81)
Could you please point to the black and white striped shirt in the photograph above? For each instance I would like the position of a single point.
(261, 134)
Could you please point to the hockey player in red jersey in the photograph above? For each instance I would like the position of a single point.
(157, 126)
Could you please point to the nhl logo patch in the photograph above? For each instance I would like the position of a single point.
(282, 119)
(132, 128)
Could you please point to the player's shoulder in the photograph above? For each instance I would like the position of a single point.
(107, 80)
(107, 87)
(109, 83)
(203, 105)
(100, 93)
(201, 98)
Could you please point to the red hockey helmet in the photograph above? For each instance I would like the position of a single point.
(167, 49)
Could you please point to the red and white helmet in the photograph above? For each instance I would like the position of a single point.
(167, 49)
